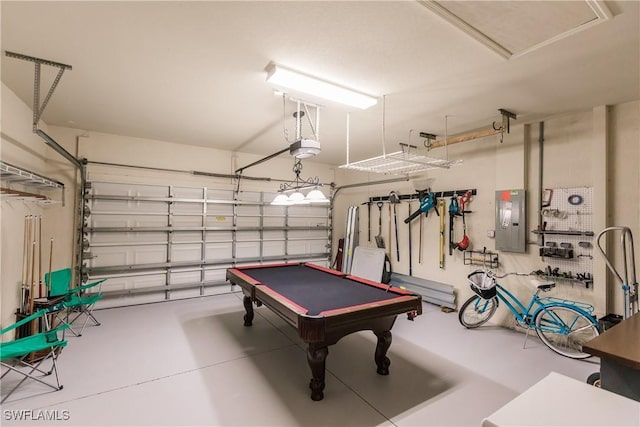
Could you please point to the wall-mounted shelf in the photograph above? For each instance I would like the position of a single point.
(15, 175)
(586, 282)
(563, 232)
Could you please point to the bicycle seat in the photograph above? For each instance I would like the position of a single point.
(543, 286)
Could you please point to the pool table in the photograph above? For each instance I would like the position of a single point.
(325, 305)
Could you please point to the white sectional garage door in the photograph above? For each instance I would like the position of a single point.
(158, 243)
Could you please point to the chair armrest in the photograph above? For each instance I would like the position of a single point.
(24, 321)
(87, 286)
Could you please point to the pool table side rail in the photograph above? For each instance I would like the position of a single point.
(387, 288)
(254, 266)
(395, 301)
(340, 322)
(237, 277)
(325, 269)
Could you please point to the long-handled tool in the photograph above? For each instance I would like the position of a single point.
(453, 212)
(39, 280)
(463, 244)
(390, 236)
(441, 204)
(428, 201)
(48, 285)
(420, 241)
(379, 239)
(410, 248)
(394, 199)
(369, 222)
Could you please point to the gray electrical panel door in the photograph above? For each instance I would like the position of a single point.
(511, 221)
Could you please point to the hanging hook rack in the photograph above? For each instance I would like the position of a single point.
(505, 126)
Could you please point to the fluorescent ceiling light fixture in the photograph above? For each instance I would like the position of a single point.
(284, 77)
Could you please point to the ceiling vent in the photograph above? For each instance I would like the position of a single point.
(514, 28)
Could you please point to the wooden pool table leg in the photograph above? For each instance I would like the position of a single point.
(384, 342)
(317, 356)
(248, 306)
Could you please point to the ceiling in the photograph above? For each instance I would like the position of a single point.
(193, 72)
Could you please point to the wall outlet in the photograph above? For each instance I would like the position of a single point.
(491, 233)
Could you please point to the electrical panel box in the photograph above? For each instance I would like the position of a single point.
(511, 227)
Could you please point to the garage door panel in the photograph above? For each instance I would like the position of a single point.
(170, 219)
(272, 249)
(307, 234)
(273, 221)
(218, 274)
(247, 250)
(183, 277)
(187, 221)
(128, 221)
(105, 257)
(248, 222)
(220, 210)
(216, 251)
(128, 238)
(186, 252)
(298, 248)
(187, 192)
(219, 236)
(271, 235)
(225, 221)
(248, 235)
(187, 208)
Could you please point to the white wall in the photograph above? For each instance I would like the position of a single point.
(624, 179)
(22, 148)
(572, 158)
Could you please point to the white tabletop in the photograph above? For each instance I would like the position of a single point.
(557, 400)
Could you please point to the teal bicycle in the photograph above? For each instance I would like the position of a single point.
(562, 325)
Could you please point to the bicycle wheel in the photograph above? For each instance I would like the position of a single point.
(565, 329)
(477, 311)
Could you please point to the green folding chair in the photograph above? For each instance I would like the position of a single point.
(76, 300)
(25, 355)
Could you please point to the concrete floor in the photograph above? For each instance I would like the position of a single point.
(192, 362)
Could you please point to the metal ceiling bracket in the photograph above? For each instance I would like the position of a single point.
(429, 138)
(38, 108)
(506, 124)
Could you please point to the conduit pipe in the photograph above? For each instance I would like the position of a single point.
(540, 177)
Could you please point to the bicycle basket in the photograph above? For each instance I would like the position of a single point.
(482, 284)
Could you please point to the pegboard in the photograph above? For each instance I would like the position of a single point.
(568, 235)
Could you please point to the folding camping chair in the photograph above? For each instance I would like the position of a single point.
(75, 299)
(31, 351)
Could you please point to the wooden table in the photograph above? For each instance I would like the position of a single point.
(619, 352)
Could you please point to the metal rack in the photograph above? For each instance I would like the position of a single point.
(483, 258)
(400, 162)
(15, 175)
